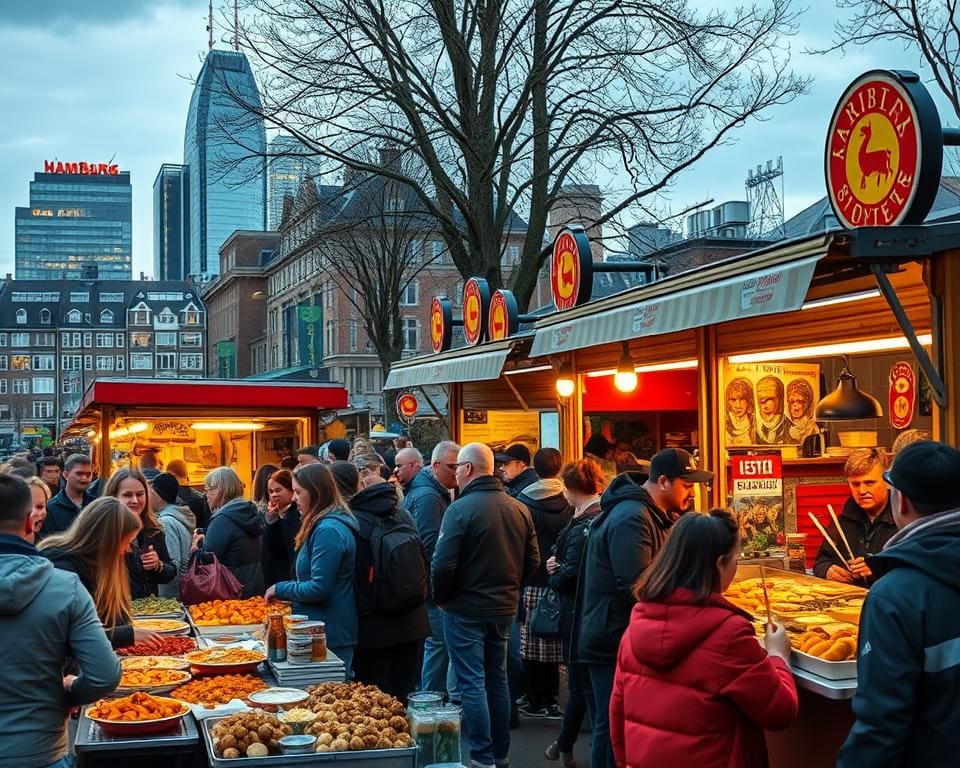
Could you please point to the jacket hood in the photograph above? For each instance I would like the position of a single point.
(341, 517)
(929, 545)
(626, 487)
(243, 514)
(544, 488)
(426, 479)
(664, 633)
(23, 575)
(482, 483)
(379, 500)
(181, 514)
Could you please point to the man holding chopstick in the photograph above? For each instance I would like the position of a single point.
(866, 522)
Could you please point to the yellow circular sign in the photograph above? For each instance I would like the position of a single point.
(873, 158)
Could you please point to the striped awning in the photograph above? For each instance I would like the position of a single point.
(463, 365)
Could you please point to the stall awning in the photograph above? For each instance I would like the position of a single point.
(464, 365)
(692, 301)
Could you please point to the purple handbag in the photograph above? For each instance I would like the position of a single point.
(208, 581)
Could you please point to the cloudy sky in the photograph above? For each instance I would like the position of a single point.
(101, 79)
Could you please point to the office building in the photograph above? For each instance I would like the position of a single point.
(224, 150)
(171, 222)
(80, 214)
(290, 161)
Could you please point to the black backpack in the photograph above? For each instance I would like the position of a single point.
(392, 574)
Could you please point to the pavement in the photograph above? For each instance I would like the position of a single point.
(528, 742)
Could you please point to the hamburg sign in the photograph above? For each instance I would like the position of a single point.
(476, 306)
(441, 323)
(571, 274)
(884, 151)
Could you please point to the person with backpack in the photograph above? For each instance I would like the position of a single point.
(391, 584)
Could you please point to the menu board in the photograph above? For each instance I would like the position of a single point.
(500, 429)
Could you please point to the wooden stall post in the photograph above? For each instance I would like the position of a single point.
(946, 288)
(708, 418)
(104, 453)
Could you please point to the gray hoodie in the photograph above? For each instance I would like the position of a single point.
(178, 523)
(45, 616)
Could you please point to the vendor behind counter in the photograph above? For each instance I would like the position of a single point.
(866, 519)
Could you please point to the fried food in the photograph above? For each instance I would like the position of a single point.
(219, 689)
(148, 678)
(152, 662)
(254, 734)
(224, 656)
(841, 645)
(152, 606)
(137, 707)
(223, 613)
(353, 716)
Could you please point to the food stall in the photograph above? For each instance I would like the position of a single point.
(206, 424)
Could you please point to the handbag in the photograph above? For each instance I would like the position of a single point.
(544, 619)
(208, 581)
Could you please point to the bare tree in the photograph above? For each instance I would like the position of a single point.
(504, 102)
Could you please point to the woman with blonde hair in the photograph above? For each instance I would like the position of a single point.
(94, 548)
(149, 563)
(326, 557)
(40, 493)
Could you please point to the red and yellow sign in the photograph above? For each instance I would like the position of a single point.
(407, 405)
(571, 273)
(441, 319)
(902, 395)
(504, 317)
(875, 163)
(476, 303)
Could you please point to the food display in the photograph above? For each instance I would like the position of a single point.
(169, 646)
(272, 698)
(239, 613)
(137, 714)
(353, 716)
(163, 626)
(220, 660)
(153, 679)
(153, 662)
(298, 718)
(839, 645)
(792, 595)
(157, 606)
(211, 691)
(248, 734)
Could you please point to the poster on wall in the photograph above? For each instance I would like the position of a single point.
(769, 403)
(500, 429)
(758, 499)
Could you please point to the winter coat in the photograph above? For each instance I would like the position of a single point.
(569, 552)
(279, 551)
(145, 583)
(121, 635)
(426, 500)
(517, 486)
(907, 703)
(61, 512)
(197, 503)
(693, 687)
(487, 547)
(234, 536)
(324, 586)
(50, 616)
(621, 542)
(178, 527)
(550, 513)
(378, 630)
(865, 537)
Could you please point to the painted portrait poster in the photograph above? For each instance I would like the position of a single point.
(769, 403)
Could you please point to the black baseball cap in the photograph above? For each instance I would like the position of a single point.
(676, 462)
(926, 472)
(516, 452)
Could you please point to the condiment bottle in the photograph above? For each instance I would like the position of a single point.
(276, 638)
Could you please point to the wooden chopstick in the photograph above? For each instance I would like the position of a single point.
(843, 536)
(766, 597)
(829, 541)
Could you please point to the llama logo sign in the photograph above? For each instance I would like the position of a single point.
(884, 151)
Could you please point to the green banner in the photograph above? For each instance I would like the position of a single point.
(310, 334)
(227, 358)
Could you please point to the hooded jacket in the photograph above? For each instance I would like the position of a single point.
(235, 537)
(865, 537)
(426, 500)
(145, 583)
(378, 630)
(197, 503)
(50, 615)
(550, 513)
(487, 547)
(178, 524)
(907, 703)
(621, 542)
(694, 687)
(569, 552)
(324, 586)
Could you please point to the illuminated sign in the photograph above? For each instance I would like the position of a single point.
(504, 317)
(81, 169)
(441, 324)
(407, 405)
(476, 305)
(571, 269)
(902, 395)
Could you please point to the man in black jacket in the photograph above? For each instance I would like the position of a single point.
(636, 513)
(515, 469)
(908, 693)
(63, 508)
(486, 548)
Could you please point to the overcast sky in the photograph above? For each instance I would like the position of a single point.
(100, 79)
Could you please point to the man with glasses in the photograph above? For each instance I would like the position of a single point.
(486, 548)
(865, 519)
(907, 703)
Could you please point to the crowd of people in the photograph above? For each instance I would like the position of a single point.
(430, 574)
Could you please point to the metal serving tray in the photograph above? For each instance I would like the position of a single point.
(367, 758)
(90, 737)
(831, 670)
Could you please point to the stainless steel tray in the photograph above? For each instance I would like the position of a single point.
(367, 758)
(831, 670)
(90, 738)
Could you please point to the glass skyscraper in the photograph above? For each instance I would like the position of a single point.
(224, 150)
(290, 162)
(79, 215)
(171, 222)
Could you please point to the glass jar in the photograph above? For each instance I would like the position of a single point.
(448, 733)
(423, 729)
(276, 638)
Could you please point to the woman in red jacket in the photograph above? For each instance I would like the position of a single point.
(693, 686)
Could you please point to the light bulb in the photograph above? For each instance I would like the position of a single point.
(625, 381)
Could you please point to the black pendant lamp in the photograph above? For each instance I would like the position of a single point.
(847, 402)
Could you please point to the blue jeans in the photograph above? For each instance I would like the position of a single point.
(67, 761)
(478, 652)
(437, 670)
(601, 680)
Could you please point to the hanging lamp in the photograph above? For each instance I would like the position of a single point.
(847, 402)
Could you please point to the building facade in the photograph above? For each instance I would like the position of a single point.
(56, 337)
(290, 161)
(80, 214)
(224, 150)
(171, 222)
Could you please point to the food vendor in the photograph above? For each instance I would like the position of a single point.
(866, 519)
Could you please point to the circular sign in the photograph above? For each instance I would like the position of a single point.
(571, 268)
(504, 316)
(441, 323)
(884, 151)
(902, 395)
(476, 306)
(407, 405)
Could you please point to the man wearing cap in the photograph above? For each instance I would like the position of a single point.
(515, 469)
(338, 450)
(865, 520)
(636, 513)
(907, 703)
(178, 523)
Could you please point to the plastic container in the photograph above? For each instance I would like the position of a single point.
(317, 631)
(294, 618)
(299, 649)
(424, 700)
(447, 747)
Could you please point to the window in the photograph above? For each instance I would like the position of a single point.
(70, 385)
(328, 295)
(437, 252)
(514, 255)
(42, 409)
(139, 315)
(104, 362)
(141, 361)
(71, 362)
(121, 361)
(111, 298)
(21, 317)
(42, 385)
(3, 339)
(191, 362)
(410, 294)
(191, 314)
(166, 361)
(19, 339)
(43, 362)
(46, 339)
(458, 294)
(105, 341)
(141, 340)
(119, 341)
(19, 362)
(166, 318)
(3, 362)
(411, 334)
(77, 297)
(3, 386)
(190, 339)
(414, 251)
(106, 317)
(88, 362)
(21, 386)
(353, 330)
(74, 316)
(87, 340)
(45, 316)
(329, 338)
